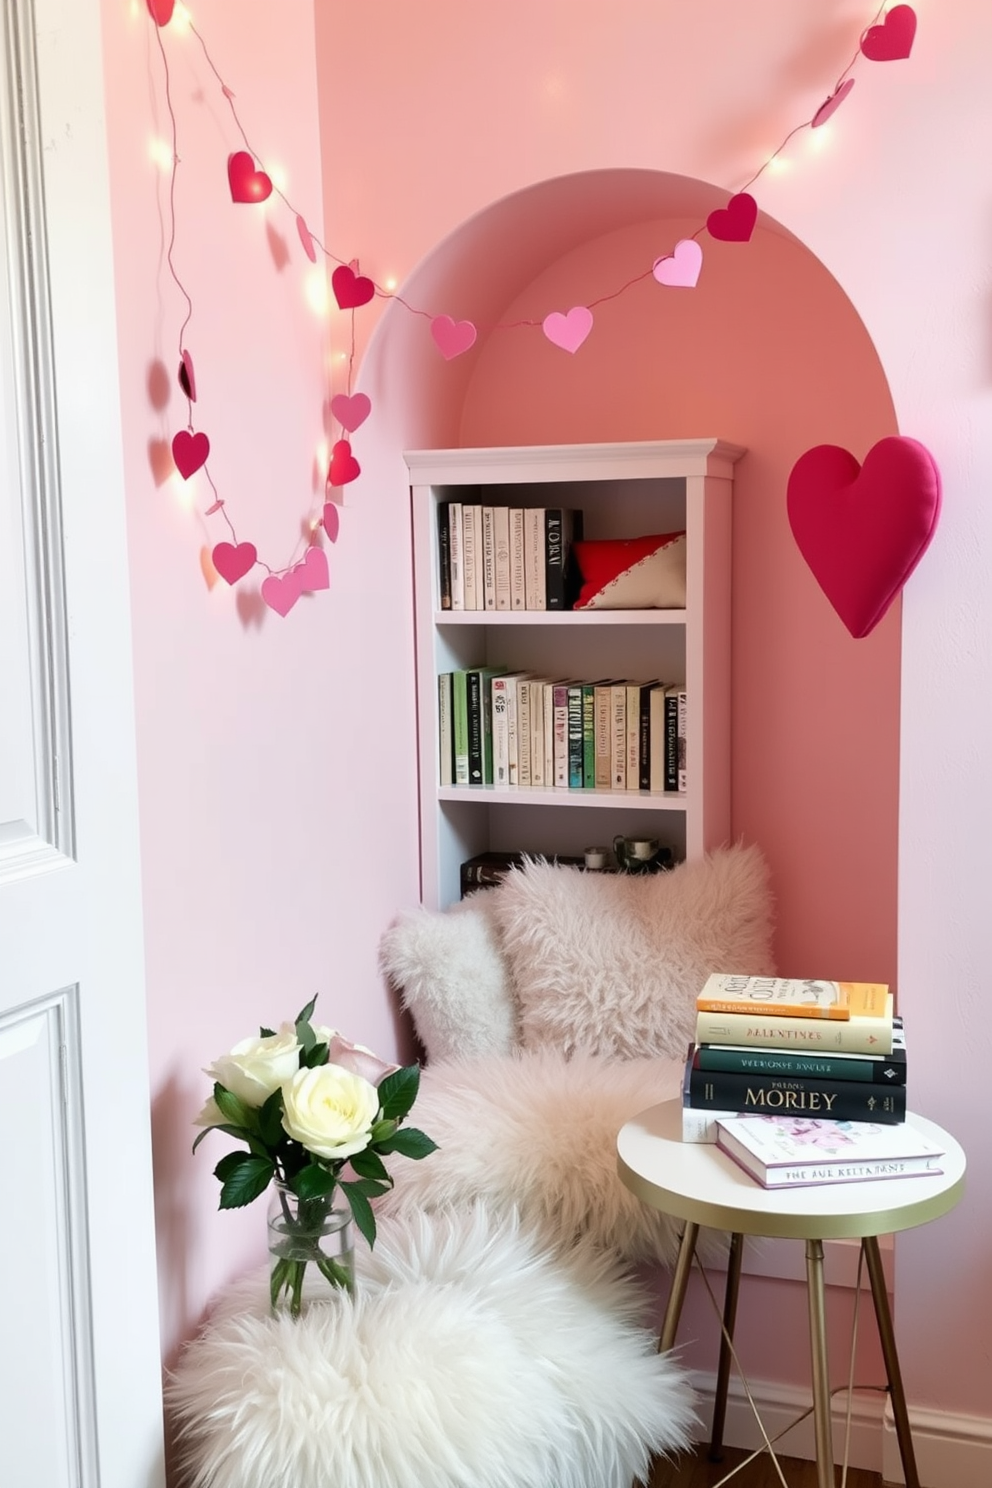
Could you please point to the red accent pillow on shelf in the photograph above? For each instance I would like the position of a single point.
(632, 573)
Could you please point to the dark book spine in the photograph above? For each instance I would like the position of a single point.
(671, 742)
(889, 1071)
(554, 558)
(576, 750)
(644, 741)
(444, 553)
(777, 1095)
(476, 725)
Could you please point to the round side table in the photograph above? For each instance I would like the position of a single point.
(699, 1183)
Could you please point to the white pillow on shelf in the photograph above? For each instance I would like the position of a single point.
(453, 978)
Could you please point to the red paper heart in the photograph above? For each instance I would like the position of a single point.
(232, 563)
(161, 11)
(831, 104)
(351, 411)
(331, 521)
(351, 289)
(734, 223)
(892, 40)
(313, 573)
(187, 377)
(343, 467)
(863, 528)
(247, 184)
(280, 592)
(189, 451)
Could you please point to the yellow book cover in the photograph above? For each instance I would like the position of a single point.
(792, 997)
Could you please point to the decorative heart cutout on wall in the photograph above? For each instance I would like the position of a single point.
(247, 184)
(734, 223)
(680, 269)
(280, 592)
(351, 289)
(830, 105)
(189, 451)
(892, 39)
(452, 337)
(343, 467)
(233, 562)
(568, 331)
(351, 410)
(862, 529)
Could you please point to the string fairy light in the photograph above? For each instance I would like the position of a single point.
(888, 37)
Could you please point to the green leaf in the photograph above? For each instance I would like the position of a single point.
(313, 1182)
(270, 1127)
(305, 1014)
(398, 1091)
(233, 1108)
(372, 1188)
(266, 1033)
(409, 1142)
(308, 1040)
(230, 1163)
(361, 1210)
(369, 1164)
(316, 1055)
(239, 1133)
(251, 1178)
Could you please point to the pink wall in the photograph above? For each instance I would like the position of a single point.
(256, 798)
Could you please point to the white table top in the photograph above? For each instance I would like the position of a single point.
(697, 1181)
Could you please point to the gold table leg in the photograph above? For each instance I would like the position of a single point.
(734, 1262)
(680, 1282)
(888, 1340)
(821, 1381)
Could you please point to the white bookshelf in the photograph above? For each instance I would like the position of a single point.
(623, 490)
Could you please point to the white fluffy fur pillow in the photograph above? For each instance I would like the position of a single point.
(611, 963)
(468, 1358)
(453, 978)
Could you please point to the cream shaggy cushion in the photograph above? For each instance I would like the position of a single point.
(452, 978)
(538, 1133)
(611, 963)
(466, 1359)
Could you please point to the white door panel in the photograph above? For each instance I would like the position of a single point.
(80, 1393)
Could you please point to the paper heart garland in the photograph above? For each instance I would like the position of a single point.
(680, 268)
(351, 411)
(247, 184)
(892, 39)
(233, 562)
(831, 104)
(187, 377)
(343, 467)
(351, 289)
(189, 451)
(452, 337)
(734, 223)
(568, 331)
(161, 11)
(305, 238)
(331, 521)
(862, 529)
(313, 573)
(281, 591)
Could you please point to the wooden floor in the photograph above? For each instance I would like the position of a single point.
(694, 1470)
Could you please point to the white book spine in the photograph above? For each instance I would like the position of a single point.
(537, 775)
(657, 739)
(524, 732)
(456, 531)
(501, 733)
(518, 586)
(603, 704)
(560, 736)
(549, 733)
(535, 582)
(488, 558)
(444, 730)
(501, 540)
(472, 551)
(701, 1126)
(618, 738)
(513, 732)
(633, 762)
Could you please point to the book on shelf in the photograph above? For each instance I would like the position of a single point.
(854, 1035)
(502, 690)
(472, 555)
(771, 1093)
(488, 558)
(521, 770)
(874, 1069)
(796, 1152)
(536, 703)
(559, 733)
(618, 736)
(549, 735)
(562, 527)
(656, 738)
(722, 992)
(676, 712)
(681, 741)
(575, 739)
(459, 725)
(487, 869)
(480, 730)
(603, 734)
(588, 735)
(535, 583)
(444, 554)
(456, 554)
(501, 541)
(699, 1125)
(518, 582)
(445, 730)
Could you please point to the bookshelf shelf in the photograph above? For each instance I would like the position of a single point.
(624, 491)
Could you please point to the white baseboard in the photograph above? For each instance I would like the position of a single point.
(952, 1451)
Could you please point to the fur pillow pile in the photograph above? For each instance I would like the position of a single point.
(611, 963)
(467, 1357)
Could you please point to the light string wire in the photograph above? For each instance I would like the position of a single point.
(219, 505)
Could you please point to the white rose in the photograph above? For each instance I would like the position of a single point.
(211, 1115)
(354, 1057)
(257, 1066)
(329, 1110)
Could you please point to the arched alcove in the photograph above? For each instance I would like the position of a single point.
(766, 351)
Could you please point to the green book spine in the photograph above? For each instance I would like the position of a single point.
(588, 735)
(575, 737)
(459, 719)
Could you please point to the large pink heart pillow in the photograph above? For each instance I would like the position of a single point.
(863, 528)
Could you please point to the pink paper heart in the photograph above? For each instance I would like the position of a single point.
(313, 573)
(161, 11)
(187, 377)
(343, 467)
(568, 331)
(734, 223)
(351, 411)
(892, 40)
(452, 337)
(232, 563)
(247, 184)
(351, 289)
(331, 521)
(862, 529)
(189, 451)
(681, 267)
(832, 104)
(281, 591)
(306, 240)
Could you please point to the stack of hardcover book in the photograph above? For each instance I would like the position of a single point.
(784, 1047)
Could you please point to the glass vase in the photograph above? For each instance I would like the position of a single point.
(311, 1250)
